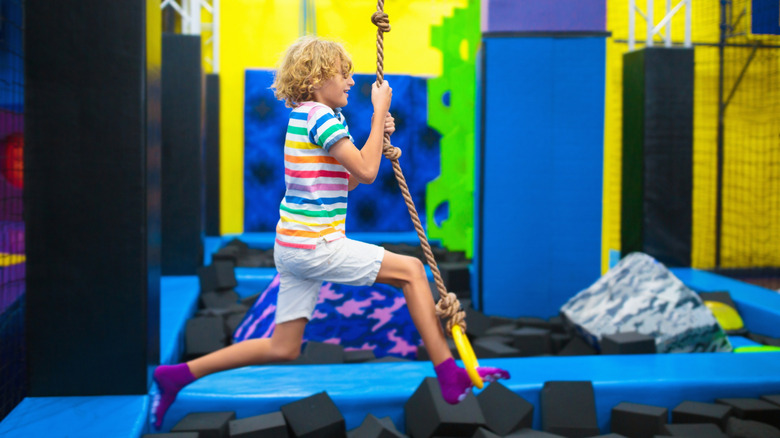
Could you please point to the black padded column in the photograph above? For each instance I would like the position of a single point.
(91, 198)
(212, 155)
(182, 155)
(658, 154)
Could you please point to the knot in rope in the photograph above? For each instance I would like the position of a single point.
(449, 307)
(391, 152)
(381, 20)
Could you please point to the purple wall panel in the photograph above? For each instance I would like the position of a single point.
(544, 16)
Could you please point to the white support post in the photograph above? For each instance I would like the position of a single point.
(650, 20)
(631, 22)
(194, 17)
(215, 35)
(668, 37)
(191, 22)
(688, 23)
(665, 24)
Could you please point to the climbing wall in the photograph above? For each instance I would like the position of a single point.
(451, 103)
(378, 207)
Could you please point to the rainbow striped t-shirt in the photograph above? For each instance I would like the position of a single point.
(315, 201)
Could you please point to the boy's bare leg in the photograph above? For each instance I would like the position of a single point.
(283, 345)
(408, 273)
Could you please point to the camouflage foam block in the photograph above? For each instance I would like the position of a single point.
(641, 295)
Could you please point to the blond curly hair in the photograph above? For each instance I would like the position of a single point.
(306, 64)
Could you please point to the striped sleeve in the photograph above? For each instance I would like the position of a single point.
(324, 128)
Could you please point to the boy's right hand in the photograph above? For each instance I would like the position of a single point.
(381, 96)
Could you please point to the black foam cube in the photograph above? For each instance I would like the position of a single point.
(700, 412)
(750, 429)
(501, 330)
(532, 341)
(484, 433)
(255, 258)
(250, 300)
(428, 415)
(358, 356)
(577, 347)
(611, 435)
(477, 323)
(532, 321)
(203, 334)
(172, 435)
(721, 296)
(373, 427)
(763, 339)
(323, 353)
(223, 312)
(531, 433)
(637, 420)
(221, 299)
(753, 409)
(228, 253)
(701, 430)
(491, 349)
(504, 411)
(237, 244)
(558, 341)
(232, 322)
(456, 277)
(503, 339)
(496, 321)
(220, 275)
(207, 277)
(207, 424)
(315, 416)
(270, 425)
(558, 324)
(774, 399)
(422, 352)
(627, 343)
(569, 408)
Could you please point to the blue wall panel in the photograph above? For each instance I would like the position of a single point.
(376, 207)
(541, 170)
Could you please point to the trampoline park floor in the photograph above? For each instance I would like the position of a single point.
(383, 388)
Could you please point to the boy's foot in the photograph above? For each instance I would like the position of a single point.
(455, 382)
(170, 380)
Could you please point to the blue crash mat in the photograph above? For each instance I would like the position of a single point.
(758, 307)
(178, 302)
(382, 389)
(84, 417)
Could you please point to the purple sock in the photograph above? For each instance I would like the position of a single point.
(170, 380)
(455, 382)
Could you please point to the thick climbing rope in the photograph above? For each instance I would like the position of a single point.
(448, 306)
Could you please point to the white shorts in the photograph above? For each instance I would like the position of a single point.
(302, 271)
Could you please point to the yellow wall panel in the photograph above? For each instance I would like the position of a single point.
(751, 194)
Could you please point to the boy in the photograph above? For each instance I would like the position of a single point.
(321, 165)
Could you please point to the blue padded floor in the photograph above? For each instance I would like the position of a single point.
(178, 302)
(86, 417)
(382, 389)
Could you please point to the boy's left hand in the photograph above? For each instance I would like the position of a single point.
(389, 124)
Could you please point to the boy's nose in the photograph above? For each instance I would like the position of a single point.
(350, 81)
